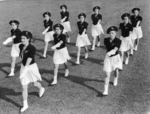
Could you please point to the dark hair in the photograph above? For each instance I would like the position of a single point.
(14, 21)
(138, 9)
(63, 6)
(58, 25)
(82, 14)
(125, 15)
(96, 7)
(112, 28)
(27, 34)
(47, 13)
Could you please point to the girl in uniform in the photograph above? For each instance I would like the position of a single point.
(112, 60)
(65, 21)
(82, 39)
(126, 44)
(97, 29)
(61, 54)
(48, 24)
(136, 20)
(16, 38)
(29, 70)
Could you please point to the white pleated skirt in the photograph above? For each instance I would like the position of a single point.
(82, 40)
(138, 32)
(67, 27)
(61, 56)
(49, 36)
(126, 44)
(32, 74)
(97, 30)
(15, 51)
(112, 63)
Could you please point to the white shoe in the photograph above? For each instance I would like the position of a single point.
(86, 55)
(44, 56)
(11, 74)
(105, 93)
(54, 82)
(78, 62)
(24, 108)
(98, 44)
(42, 91)
(66, 72)
(68, 40)
(127, 61)
(115, 82)
(135, 48)
(93, 49)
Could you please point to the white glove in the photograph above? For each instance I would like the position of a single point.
(55, 46)
(8, 40)
(44, 32)
(23, 74)
(112, 52)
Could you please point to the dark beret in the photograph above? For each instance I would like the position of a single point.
(96, 7)
(14, 21)
(58, 25)
(82, 14)
(112, 28)
(27, 34)
(46, 13)
(63, 6)
(125, 15)
(138, 9)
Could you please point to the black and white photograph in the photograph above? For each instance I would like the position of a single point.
(74, 57)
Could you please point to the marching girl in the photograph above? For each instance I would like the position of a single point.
(29, 70)
(126, 44)
(65, 21)
(136, 20)
(61, 54)
(16, 39)
(112, 60)
(82, 39)
(97, 29)
(48, 32)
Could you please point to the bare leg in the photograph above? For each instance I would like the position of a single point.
(45, 49)
(13, 62)
(106, 86)
(98, 43)
(86, 52)
(127, 57)
(116, 77)
(78, 55)
(122, 56)
(94, 42)
(55, 74)
(68, 38)
(25, 98)
(41, 89)
(66, 69)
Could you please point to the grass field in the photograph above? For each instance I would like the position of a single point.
(80, 93)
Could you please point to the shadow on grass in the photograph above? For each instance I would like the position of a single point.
(5, 92)
(3, 65)
(82, 59)
(78, 80)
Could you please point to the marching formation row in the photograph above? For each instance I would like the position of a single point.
(118, 49)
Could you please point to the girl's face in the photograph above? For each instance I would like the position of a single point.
(96, 11)
(63, 9)
(126, 19)
(14, 26)
(47, 17)
(58, 30)
(24, 40)
(82, 18)
(136, 12)
(112, 34)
